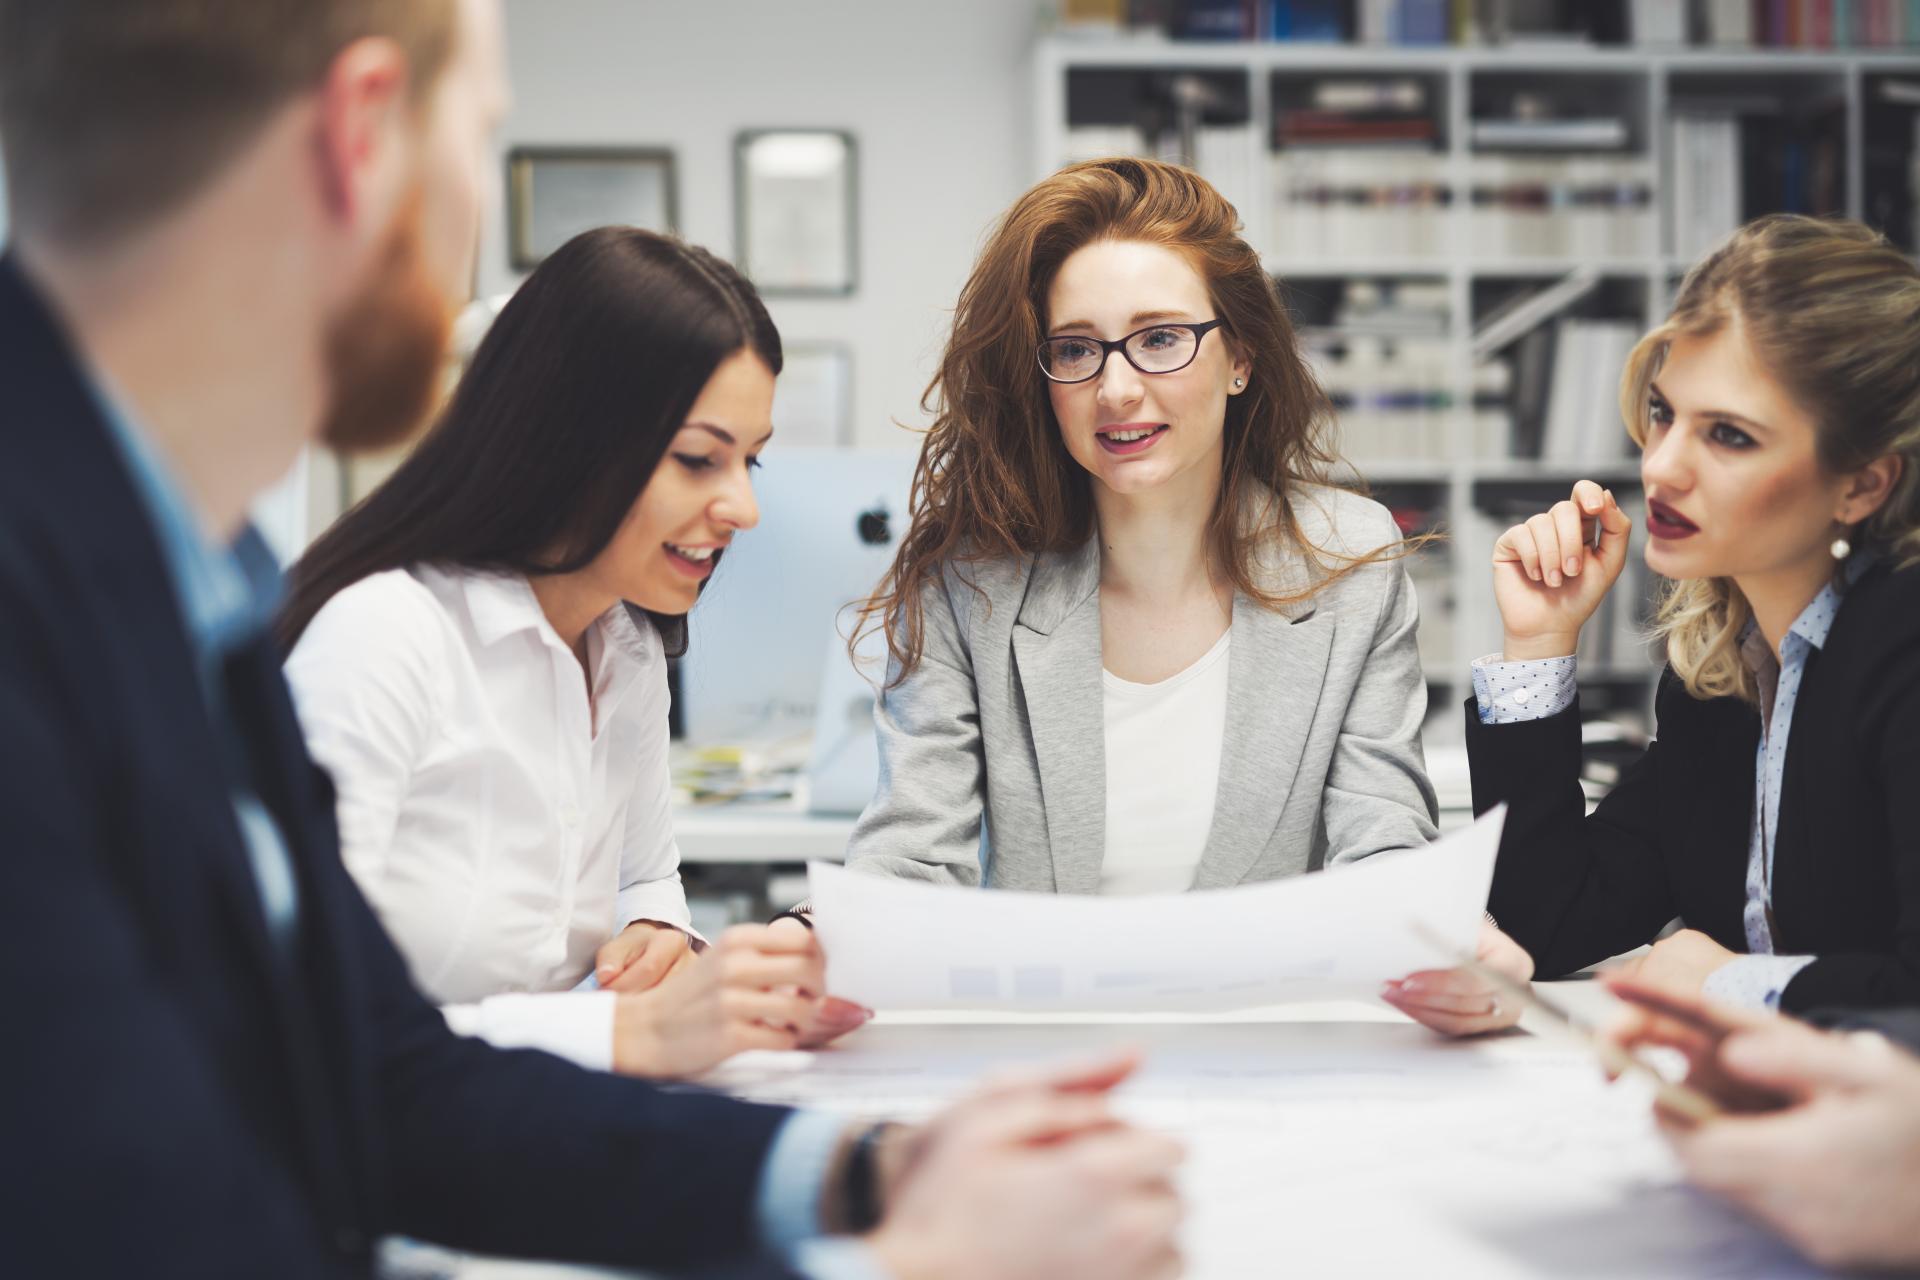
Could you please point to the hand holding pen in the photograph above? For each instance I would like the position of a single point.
(1820, 1133)
(1662, 1017)
(1685, 1104)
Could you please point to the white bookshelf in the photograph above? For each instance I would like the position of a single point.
(1644, 80)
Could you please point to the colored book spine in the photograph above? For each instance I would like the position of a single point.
(1217, 20)
(1423, 21)
(1306, 20)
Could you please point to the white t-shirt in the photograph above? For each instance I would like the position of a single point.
(502, 828)
(1163, 768)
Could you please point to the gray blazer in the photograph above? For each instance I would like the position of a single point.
(1003, 722)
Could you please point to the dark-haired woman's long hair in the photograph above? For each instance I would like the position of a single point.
(566, 409)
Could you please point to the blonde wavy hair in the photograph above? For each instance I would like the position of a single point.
(1832, 310)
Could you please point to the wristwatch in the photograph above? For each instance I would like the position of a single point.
(863, 1179)
(801, 911)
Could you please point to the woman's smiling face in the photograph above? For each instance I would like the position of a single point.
(1135, 431)
(699, 496)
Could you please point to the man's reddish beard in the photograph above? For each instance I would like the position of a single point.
(385, 346)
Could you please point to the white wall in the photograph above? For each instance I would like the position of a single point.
(935, 91)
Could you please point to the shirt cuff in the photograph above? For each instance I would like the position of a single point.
(1507, 692)
(1754, 982)
(792, 1178)
(576, 1025)
(837, 1258)
(662, 901)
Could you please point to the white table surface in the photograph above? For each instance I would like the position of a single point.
(1331, 1140)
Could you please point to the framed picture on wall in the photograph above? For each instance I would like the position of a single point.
(555, 193)
(796, 193)
(813, 400)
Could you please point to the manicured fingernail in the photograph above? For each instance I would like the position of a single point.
(1553, 577)
(604, 973)
(1573, 566)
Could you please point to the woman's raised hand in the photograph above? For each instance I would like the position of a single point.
(1548, 581)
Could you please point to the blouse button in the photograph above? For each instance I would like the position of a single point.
(1523, 695)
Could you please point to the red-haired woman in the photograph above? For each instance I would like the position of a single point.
(1139, 642)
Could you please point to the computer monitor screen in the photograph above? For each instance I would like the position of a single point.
(830, 521)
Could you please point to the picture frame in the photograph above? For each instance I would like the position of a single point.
(813, 400)
(554, 193)
(796, 209)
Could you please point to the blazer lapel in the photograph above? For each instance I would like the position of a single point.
(1265, 737)
(67, 449)
(1056, 653)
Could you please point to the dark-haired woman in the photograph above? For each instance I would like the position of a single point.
(478, 653)
(1135, 632)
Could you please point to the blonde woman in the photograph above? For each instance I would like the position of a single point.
(1778, 814)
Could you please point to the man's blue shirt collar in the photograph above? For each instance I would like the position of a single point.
(227, 595)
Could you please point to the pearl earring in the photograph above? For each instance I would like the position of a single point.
(1238, 383)
(1841, 548)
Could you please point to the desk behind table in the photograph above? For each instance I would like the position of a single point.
(766, 832)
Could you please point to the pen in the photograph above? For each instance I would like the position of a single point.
(1678, 1099)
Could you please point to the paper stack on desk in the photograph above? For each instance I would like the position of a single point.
(897, 944)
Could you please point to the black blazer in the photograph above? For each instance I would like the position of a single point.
(176, 1098)
(1672, 838)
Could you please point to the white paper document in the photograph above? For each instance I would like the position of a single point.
(896, 944)
(1348, 1143)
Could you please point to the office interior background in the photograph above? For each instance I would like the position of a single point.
(1474, 207)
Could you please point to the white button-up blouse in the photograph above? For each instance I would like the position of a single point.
(502, 825)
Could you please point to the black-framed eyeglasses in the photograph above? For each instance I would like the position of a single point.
(1158, 348)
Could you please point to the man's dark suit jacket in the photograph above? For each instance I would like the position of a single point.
(176, 1096)
(1671, 839)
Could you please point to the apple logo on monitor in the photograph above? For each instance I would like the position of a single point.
(873, 526)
